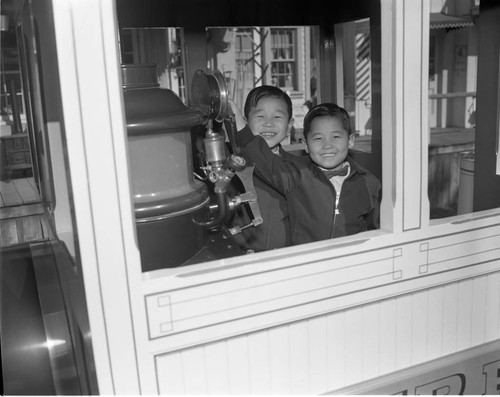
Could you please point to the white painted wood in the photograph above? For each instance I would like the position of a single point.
(450, 317)
(170, 374)
(434, 322)
(419, 314)
(387, 336)
(371, 340)
(403, 331)
(194, 371)
(424, 113)
(336, 349)
(303, 320)
(298, 344)
(279, 361)
(290, 296)
(464, 316)
(492, 310)
(237, 362)
(415, 19)
(217, 372)
(392, 122)
(69, 91)
(258, 360)
(91, 94)
(295, 363)
(318, 359)
(478, 316)
(353, 359)
(405, 131)
(478, 367)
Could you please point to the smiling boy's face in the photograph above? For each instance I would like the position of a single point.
(328, 142)
(270, 120)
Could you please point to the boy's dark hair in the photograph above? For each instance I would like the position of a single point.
(327, 110)
(266, 91)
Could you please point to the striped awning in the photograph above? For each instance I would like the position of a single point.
(443, 21)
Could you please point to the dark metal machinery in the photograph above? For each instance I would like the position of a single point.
(181, 219)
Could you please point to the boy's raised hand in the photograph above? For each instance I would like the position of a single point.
(238, 115)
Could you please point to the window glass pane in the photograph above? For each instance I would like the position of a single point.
(160, 46)
(289, 58)
(452, 108)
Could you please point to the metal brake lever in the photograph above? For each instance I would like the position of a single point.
(246, 177)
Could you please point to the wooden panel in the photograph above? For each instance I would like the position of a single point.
(403, 331)
(478, 310)
(170, 374)
(196, 382)
(21, 210)
(31, 228)
(419, 318)
(18, 192)
(279, 365)
(387, 336)
(9, 235)
(492, 312)
(299, 364)
(222, 308)
(16, 153)
(351, 317)
(267, 291)
(25, 229)
(237, 362)
(318, 360)
(464, 318)
(47, 229)
(335, 350)
(371, 340)
(434, 323)
(354, 347)
(32, 182)
(9, 193)
(259, 363)
(26, 191)
(217, 369)
(450, 315)
(468, 372)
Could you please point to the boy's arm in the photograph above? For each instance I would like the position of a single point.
(373, 218)
(238, 116)
(270, 167)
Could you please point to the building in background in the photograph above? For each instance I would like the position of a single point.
(453, 63)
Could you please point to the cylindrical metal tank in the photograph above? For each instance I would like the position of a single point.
(166, 195)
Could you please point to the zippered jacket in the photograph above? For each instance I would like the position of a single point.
(311, 197)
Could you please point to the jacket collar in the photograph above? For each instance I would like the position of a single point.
(355, 168)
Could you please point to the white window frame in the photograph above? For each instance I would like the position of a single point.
(134, 316)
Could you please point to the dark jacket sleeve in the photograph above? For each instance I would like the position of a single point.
(375, 190)
(274, 170)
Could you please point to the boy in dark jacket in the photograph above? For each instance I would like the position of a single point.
(268, 111)
(328, 195)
